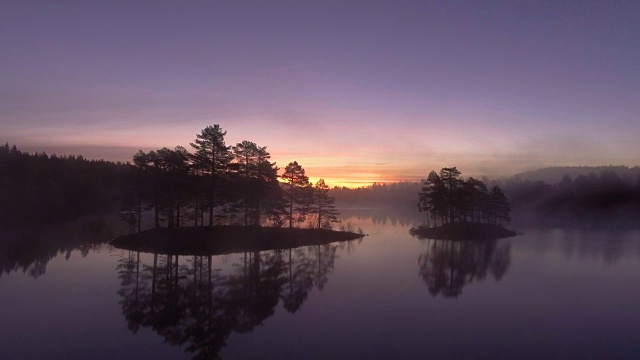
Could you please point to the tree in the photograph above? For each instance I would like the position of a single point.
(297, 190)
(259, 178)
(432, 197)
(213, 157)
(148, 170)
(451, 179)
(474, 194)
(449, 196)
(323, 205)
(175, 165)
(499, 205)
(130, 210)
(247, 155)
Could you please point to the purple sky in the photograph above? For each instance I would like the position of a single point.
(352, 90)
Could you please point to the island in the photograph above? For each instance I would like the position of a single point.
(467, 208)
(463, 231)
(227, 239)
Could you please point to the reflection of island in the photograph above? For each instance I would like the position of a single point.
(191, 302)
(447, 265)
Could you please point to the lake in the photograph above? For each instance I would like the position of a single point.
(547, 293)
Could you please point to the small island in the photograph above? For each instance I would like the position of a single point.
(218, 199)
(467, 209)
(227, 239)
(463, 231)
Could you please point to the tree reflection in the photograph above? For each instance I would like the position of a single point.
(197, 302)
(30, 248)
(447, 266)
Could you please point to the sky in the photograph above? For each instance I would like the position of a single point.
(355, 91)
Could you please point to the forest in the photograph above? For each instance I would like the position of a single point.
(590, 198)
(39, 189)
(220, 184)
(214, 184)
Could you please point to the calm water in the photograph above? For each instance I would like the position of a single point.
(545, 294)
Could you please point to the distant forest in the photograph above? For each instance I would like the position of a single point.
(598, 196)
(399, 194)
(39, 188)
(177, 187)
(556, 196)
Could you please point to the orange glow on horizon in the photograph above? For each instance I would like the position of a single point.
(350, 182)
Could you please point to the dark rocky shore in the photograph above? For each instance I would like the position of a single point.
(463, 231)
(218, 240)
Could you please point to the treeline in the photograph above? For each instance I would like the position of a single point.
(594, 199)
(553, 175)
(220, 184)
(40, 188)
(447, 197)
(399, 194)
(214, 184)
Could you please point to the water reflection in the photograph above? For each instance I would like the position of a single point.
(197, 301)
(29, 249)
(403, 217)
(447, 266)
(605, 246)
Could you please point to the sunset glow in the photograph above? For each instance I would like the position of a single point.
(492, 90)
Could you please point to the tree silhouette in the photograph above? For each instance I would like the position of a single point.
(447, 266)
(297, 191)
(500, 208)
(451, 179)
(40, 189)
(453, 199)
(258, 180)
(431, 198)
(148, 169)
(175, 171)
(131, 208)
(323, 205)
(213, 156)
(191, 302)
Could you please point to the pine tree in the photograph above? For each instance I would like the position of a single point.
(432, 197)
(451, 179)
(258, 178)
(500, 205)
(297, 189)
(148, 170)
(213, 156)
(323, 205)
(449, 196)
